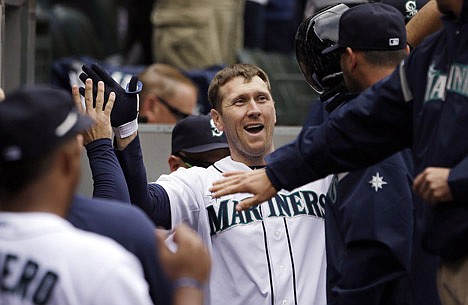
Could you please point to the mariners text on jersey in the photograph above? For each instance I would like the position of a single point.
(223, 215)
(437, 82)
(24, 279)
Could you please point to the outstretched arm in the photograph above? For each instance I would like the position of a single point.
(151, 198)
(109, 181)
(254, 182)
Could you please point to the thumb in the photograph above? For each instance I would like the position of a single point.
(134, 85)
(164, 252)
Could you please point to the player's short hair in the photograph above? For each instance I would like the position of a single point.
(385, 58)
(247, 71)
(164, 80)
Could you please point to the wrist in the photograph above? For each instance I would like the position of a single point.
(126, 130)
(188, 282)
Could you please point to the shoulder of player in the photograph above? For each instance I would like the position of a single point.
(106, 217)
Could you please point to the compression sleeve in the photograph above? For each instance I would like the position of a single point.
(108, 178)
(151, 198)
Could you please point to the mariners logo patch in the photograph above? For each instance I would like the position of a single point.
(377, 182)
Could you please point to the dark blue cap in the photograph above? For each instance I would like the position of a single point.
(34, 120)
(371, 27)
(197, 134)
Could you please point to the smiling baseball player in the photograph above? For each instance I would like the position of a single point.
(273, 254)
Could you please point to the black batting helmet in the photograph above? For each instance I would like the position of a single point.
(317, 32)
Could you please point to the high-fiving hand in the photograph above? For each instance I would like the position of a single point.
(98, 109)
(125, 113)
(255, 182)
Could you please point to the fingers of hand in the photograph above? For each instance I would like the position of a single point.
(77, 98)
(100, 96)
(110, 104)
(164, 251)
(245, 204)
(419, 183)
(89, 95)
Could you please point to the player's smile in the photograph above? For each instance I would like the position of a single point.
(254, 128)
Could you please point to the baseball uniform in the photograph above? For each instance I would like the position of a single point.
(271, 254)
(45, 260)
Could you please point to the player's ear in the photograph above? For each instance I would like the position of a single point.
(216, 116)
(408, 49)
(175, 162)
(149, 107)
(349, 58)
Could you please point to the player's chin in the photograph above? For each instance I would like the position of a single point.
(258, 148)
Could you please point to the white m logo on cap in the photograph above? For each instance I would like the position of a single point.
(393, 42)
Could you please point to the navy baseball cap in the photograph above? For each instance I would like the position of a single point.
(371, 27)
(34, 120)
(197, 134)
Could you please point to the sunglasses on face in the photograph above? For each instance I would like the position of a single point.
(177, 113)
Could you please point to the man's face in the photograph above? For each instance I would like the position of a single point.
(247, 117)
(157, 110)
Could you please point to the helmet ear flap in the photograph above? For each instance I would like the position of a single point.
(316, 33)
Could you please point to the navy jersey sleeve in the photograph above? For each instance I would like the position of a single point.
(108, 178)
(373, 215)
(131, 228)
(362, 132)
(151, 198)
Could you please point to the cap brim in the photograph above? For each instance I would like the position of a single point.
(333, 48)
(205, 148)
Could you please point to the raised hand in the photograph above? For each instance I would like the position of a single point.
(125, 112)
(98, 109)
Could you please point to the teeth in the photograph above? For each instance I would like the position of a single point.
(254, 126)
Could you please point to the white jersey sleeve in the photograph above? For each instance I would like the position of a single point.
(187, 190)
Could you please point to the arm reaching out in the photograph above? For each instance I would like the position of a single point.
(423, 24)
(109, 180)
(255, 182)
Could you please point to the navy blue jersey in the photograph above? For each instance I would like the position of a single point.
(131, 228)
(369, 234)
(422, 105)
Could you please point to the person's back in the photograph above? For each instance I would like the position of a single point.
(105, 217)
(47, 261)
(44, 259)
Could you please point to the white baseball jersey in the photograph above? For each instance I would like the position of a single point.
(45, 260)
(270, 254)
